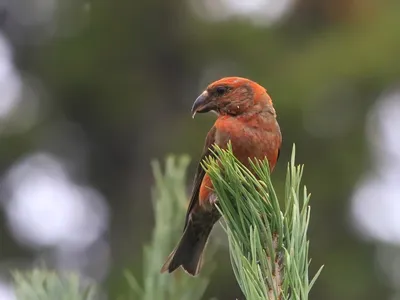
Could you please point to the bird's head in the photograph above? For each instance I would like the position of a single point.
(232, 96)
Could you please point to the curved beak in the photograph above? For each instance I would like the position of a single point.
(201, 104)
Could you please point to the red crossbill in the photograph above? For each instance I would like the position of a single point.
(247, 118)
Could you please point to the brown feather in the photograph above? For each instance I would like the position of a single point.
(198, 179)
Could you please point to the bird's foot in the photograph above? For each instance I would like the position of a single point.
(213, 199)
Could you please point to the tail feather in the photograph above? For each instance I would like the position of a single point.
(189, 252)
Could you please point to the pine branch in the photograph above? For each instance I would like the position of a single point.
(170, 203)
(268, 245)
(47, 285)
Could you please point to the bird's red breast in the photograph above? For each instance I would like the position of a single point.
(252, 136)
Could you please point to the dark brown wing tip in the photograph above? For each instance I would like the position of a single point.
(191, 271)
(167, 265)
(193, 274)
(167, 268)
(164, 269)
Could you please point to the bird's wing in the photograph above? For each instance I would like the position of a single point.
(210, 139)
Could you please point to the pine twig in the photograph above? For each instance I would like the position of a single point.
(268, 245)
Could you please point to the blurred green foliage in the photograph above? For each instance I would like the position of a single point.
(47, 285)
(169, 202)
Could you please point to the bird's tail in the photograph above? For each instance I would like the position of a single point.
(189, 251)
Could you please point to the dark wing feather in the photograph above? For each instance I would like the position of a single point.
(210, 139)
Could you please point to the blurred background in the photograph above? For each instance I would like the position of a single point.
(91, 91)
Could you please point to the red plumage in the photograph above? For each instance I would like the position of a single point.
(247, 118)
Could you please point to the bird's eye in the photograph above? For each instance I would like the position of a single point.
(220, 90)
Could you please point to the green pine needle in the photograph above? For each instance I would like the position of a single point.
(268, 244)
(47, 285)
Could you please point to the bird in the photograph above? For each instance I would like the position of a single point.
(247, 119)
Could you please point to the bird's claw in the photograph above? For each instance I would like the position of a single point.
(213, 199)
